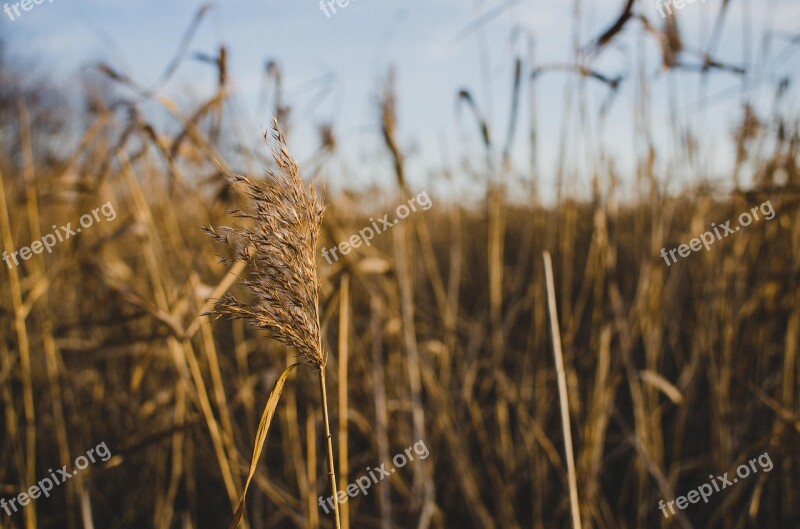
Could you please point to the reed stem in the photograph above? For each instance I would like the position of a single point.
(562, 392)
(328, 436)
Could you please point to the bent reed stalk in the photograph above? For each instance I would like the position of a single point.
(279, 248)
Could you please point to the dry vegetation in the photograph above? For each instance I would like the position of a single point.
(439, 331)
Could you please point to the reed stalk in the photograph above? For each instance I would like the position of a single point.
(562, 393)
(279, 245)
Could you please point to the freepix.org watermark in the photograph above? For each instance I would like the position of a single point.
(366, 234)
(719, 483)
(59, 235)
(373, 476)
(678, 4)
(707, 238)
(26, 5)
(324, 5)
(61, 475)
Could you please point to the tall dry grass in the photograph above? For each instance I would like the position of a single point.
(441, 331)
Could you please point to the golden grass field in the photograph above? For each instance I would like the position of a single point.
(439, 331)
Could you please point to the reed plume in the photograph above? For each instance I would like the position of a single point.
(279, 244)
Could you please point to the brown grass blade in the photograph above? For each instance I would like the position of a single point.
(261, 437)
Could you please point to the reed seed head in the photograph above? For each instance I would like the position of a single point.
(278, 242)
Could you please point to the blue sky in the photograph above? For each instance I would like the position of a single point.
(356, 46)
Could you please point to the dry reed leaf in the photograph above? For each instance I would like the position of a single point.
(662, 384)
(261, 437)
